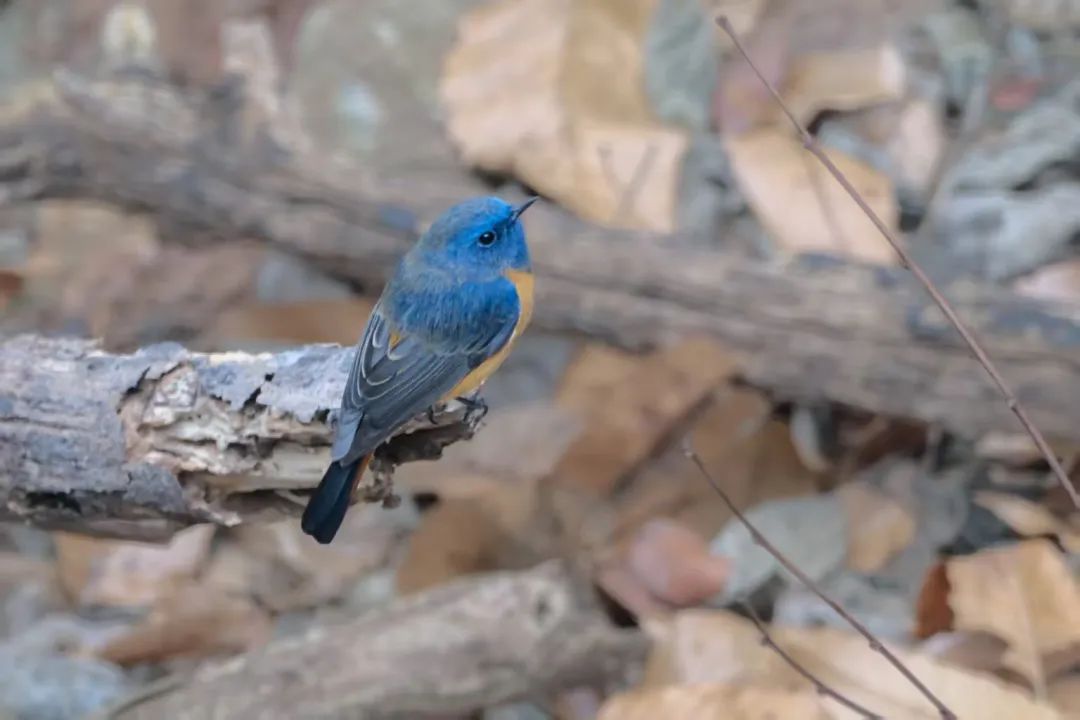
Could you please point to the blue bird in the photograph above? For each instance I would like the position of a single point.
(444, 323)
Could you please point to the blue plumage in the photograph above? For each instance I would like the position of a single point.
(454, 303)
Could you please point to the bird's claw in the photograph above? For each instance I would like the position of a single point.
(474, 405)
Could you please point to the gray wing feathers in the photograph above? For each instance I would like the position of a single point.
(388, 386)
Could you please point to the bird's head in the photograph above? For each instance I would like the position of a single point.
(482, 233)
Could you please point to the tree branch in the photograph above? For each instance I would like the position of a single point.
(139, 445)
(454, 649)
(820, 327)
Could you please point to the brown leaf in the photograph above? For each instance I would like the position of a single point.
(290, 572)
(879, 526)
(301, 322)
(972, 650)
(742, 102)
(520, 443)
(1065, 695)
(481, 524)
(1029, 519)
(457, 537)
(1023, 593)
(189, 38)
(194, 621)
(527, 93)
(99, 572)
(750, 455)
(831, 55)
(932, 612)
(715, 701)
(629, 404)
(844, 79)
(673, 563)
(110, 272)
(12, 282)
(787, 189)
(699, 647)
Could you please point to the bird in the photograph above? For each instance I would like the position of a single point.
(446, 320)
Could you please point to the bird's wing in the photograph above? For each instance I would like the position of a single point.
(394, 379)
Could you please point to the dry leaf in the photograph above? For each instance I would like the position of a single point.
(1028, 518)
(932, 612)
(774, 172)
(1059, 281)
(459, 536)
(844, 79)
(742, 101)
(715, 702)
(527, 93)
(296, 573)
(520, 443)
(196, 620)
(12, 281)
(673, 563)
(630, 404)
(302, 322)
(1025, 594)
(817, 62)
(721, 647)
(1065, 695)
(972, 650)
(189, 38)
(749, 454)
(99, 572)
(879, 526)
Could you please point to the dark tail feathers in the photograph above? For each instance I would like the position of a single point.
(326, 508)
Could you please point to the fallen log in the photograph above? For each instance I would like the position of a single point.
(139, 445)
(813, 329)
(455, 649)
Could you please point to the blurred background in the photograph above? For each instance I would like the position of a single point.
(239, 175)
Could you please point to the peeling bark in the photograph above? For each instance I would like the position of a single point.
(139, 445)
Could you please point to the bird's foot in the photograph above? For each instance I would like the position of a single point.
(475, 408)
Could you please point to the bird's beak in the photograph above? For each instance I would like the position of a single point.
(524, 206)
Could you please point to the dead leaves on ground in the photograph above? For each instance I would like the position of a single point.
(800, 204)
(628, 405)
(588, 139)
(527, 94)
(1027, 595)
(1022, 597)
(107, 573)
(715, 663)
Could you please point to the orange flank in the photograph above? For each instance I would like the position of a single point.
(523, 282)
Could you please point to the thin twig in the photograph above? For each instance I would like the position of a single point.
(875, 644)
(975, 346)
(821, 687)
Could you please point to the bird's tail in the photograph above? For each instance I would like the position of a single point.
(326, 508)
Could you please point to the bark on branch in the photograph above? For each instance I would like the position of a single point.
(819, 328)
(138, 445)
(451, 650)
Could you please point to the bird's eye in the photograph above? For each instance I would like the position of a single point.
(486, 238)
